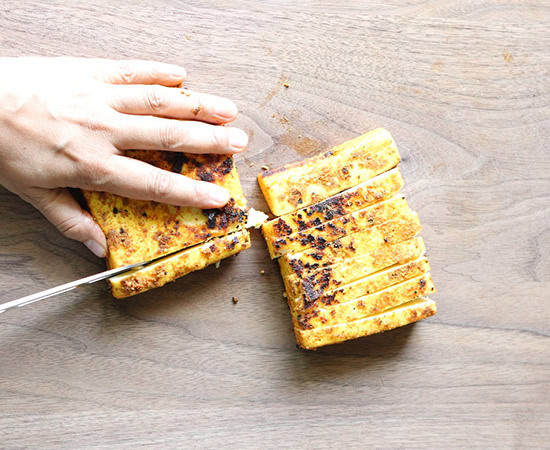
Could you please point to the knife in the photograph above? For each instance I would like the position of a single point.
(67, 287)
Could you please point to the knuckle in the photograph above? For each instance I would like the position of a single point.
(160, 184)
(169, 135)
(126, 72)
(73, 227)
(157, 99)
(221, 137)
(93, 173)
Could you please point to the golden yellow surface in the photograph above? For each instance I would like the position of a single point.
(333, 276)
(169, 268)
(142, 230)
(393, 231)
(376, 189)
(336, 228)
(304, 183)
(366, 305)
(399, 316)
(364, 286)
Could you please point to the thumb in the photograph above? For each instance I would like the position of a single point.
(62, 210)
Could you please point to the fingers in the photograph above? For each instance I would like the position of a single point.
(172, 102)
(139, 72)
(62, 210)
(136, 179)
(155, 133)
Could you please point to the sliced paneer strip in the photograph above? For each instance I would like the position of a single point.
(336, 228)
(316, 282)
(179, 264)
(399, 316)
(393, 231)
(365, 286)
(303, 183)
(376, 189)
(364, 306)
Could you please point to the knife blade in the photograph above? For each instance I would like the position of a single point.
(68, 287)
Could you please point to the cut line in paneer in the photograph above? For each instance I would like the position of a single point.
(376, 189)
(139, 230)
(373, 283)
(366, 305)
(321, 279)
(399, 316)
(393, 231)
(176, 265)
(350, 223)
(303, 183)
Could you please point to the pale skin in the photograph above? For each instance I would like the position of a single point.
(66, 122)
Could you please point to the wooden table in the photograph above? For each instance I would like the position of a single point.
(464, 86)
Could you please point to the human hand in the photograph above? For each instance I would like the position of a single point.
(65, 122)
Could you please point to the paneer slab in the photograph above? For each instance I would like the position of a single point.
(358, 197)
(139, 231)
(399, 316)
(304, 183)
(342, 226)
(171, 267)
(364, 306)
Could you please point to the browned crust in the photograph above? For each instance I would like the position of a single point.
(143, 230)
(358, 197)
(350, 246)
(365, 306)
(327, 232)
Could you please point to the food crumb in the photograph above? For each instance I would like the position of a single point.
(235, 300)
(262, 272)
(284, 295)
(217, 265)
(196, 110)
(284, 119)
(287, 85)
(265, 167)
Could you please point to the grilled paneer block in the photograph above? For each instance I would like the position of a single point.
(342, 226)
(142, 230)
(358, 197)
(303, 183)
(364, 306)
(399, 316)
(346, 244)
(393, 231)
(365, 286)
(316, 281)
(179, 264)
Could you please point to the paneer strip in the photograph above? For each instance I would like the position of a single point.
(303, 183)
(312, 283)
(364, 286)
(399, 316)
(364, 306)
(336, 228)
(169, 268)
(391, 232)
(143, 230)
(376, 189)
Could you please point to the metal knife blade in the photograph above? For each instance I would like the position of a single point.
(67, 287)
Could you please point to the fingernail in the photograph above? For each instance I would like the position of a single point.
(178, 72)
(238, 139)
(225, 108)
(96, 248)
(218, 195)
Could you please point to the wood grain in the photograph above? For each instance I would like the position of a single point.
(464, 86)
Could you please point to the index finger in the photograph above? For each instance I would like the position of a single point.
(139, 72)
